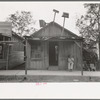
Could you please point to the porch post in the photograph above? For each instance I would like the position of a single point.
(7, 63)
(3, 46)
(26, 60)
(81, 59)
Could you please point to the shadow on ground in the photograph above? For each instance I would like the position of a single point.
(19, 67)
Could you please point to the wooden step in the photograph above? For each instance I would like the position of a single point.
(53, 68)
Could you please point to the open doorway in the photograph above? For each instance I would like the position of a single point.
(53, 53)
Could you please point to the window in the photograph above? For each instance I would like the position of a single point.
(1, 51)
(36, 50)
(3, 47)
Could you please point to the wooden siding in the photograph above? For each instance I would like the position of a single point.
(65, 48)
(36, 63)
(19, 46)
(40, 63)
(16, 54)
(2, 63)
(3, 59)
(46, 54)
(28, 55)
(16, 58)
(69, 48)
(78, 56)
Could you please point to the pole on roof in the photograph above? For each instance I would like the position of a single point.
(65, 15)
(55, 11)
(81, 59)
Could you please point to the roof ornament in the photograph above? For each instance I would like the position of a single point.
(55, 11)
(42, 23)
(65, 15)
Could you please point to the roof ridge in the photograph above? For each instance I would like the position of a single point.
(56, 24)
(66, 29)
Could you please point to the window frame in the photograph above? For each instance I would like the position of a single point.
(1, 53)
(36, 50)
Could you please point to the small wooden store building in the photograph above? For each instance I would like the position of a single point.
(11, 47)
(49, 48)
(16, 54)
(5, 40)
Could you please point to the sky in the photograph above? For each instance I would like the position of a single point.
(44, 10)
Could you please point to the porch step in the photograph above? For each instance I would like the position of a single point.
(53, 68)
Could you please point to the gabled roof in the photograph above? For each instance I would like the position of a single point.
(17, 36)
(67, 33)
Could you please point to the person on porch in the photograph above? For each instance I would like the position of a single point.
(70, 62)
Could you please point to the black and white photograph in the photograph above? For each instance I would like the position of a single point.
(49, 50)
(49, 42)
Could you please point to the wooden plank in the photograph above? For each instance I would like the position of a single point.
(47, 53)
(27, 48)
(36, 64)
(7, 63)
(81, 59)
(61, 55)
(75, 56)
(29, 51)
(65, 53)
(60, 62)
(78, 54)
(45, 56)
(42, 54)
(4, 49)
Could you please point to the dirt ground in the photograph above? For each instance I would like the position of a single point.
(42, 78)
(45, 78)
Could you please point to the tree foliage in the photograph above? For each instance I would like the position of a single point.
(89, 54)
(22, 22)
(88, 24)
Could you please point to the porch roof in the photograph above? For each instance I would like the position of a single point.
(61, 38)
(8, 42)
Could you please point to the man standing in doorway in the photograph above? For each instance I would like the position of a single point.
(70, 63)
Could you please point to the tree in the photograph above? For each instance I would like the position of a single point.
(88, 24)
(89, 28)
(22, 22)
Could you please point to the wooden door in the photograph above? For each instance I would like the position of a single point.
(53, 53)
